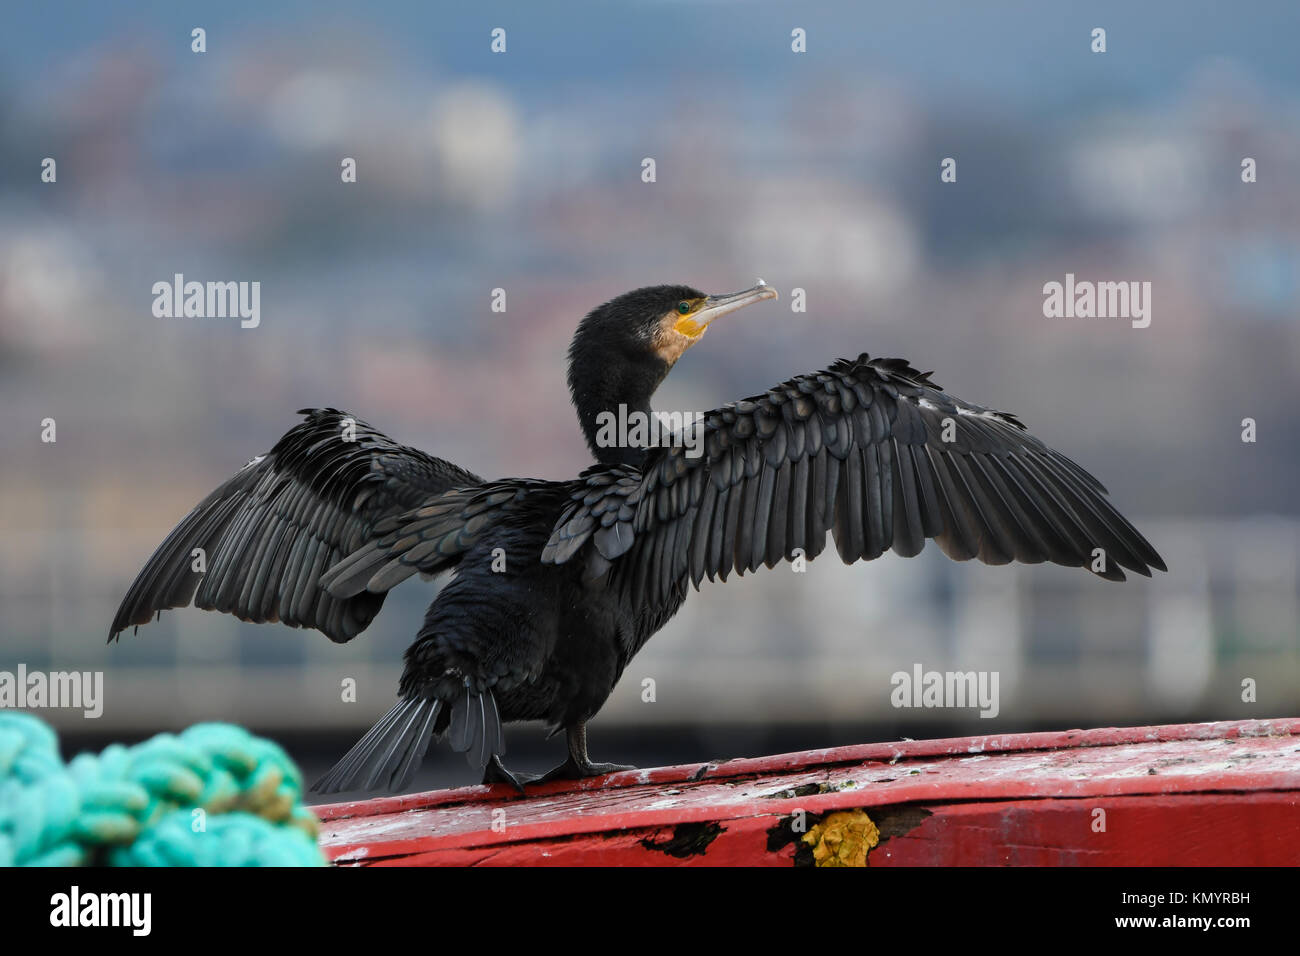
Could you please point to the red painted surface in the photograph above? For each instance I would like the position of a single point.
(1189, 794)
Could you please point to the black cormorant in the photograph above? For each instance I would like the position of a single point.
(558, 584)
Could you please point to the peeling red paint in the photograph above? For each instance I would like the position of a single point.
(1223, 793)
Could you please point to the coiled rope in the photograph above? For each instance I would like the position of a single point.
(214, 795)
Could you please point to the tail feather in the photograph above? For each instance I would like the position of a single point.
(478, 751)
(497, 742)
(388, 755)
(414, 755)
(401, 741)
(475, 728)
(458, 729)
(392, 748)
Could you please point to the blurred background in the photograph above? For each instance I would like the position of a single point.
(522, 171)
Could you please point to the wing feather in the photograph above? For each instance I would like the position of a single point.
(270, 532)
(869, 451)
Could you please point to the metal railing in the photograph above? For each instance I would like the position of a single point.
(774, 647)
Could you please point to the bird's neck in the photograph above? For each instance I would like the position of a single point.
(610, 396)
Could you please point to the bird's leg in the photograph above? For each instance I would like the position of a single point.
(579, 765)
(495, 772)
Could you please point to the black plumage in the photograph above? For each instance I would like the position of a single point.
(268, 534)
(557, 584)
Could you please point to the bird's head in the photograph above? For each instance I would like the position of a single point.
(623, 349)
(657, 324)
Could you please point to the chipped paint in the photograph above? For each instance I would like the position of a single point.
(662, 804)
(688, 839)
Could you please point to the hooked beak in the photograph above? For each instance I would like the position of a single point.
(714, 306)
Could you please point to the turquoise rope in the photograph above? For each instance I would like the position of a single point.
(214, 795)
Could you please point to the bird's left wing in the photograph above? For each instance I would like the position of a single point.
(867, 449)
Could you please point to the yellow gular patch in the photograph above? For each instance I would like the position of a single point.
(688, 327)
(676, 334)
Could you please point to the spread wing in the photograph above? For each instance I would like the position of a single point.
(869, 450)
(269, 533)
(435, 536)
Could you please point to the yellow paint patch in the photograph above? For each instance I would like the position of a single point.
(843, 839)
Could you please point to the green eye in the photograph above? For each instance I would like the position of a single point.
(684, 308)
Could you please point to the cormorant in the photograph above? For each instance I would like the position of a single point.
(558, 584)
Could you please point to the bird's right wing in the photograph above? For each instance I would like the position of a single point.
(258, 545)
(869, 450)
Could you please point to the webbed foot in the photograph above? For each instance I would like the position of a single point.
(579, 765)
(496, 772)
